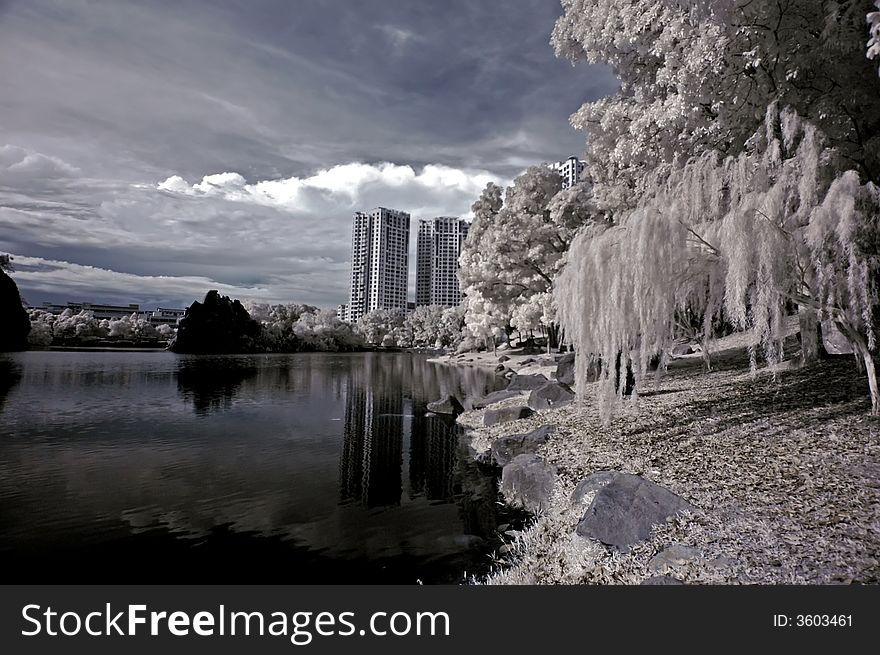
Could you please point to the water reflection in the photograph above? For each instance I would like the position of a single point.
(10, 375)
(319, 468)
(211, 383)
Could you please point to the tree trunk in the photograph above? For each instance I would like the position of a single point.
(808, 318)
(861, 347)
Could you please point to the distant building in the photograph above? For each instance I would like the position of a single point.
(379, 261)
(342, 312)
(437, 249)
(159, 316)
(570, 170)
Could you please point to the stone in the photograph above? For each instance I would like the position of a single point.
(506, 414)
(624, 511)
(15, 324)
(527, 482)
(834, 341)
(565, 369)
(681, 349)
(494, 397)
(661, 580)
(526, 382)
(592, 483)
(527, 361)
(506, 448)
(551, 394)
(547, 361)
(673, 556)
(218, 326)
(447, 405)
(503, 358)
(500, 368)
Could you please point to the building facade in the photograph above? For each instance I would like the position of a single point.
(159, 316)
(571, 171)
(379, 261)
(438, 246)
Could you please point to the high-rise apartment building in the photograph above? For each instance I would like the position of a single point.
(439, 244)
(379, 261)
(570, 170)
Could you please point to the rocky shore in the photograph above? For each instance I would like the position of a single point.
(703, 478)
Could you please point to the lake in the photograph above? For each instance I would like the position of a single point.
(305, 468)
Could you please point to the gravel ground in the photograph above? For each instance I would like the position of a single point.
(783, 469)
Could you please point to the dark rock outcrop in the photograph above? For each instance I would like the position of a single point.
(217, 325)
(447, 405)
(625, 510)
(565, 369)
(593, 482)
(503, 359)
(15, 324)
(552, 394)
(528, 482)
(526, 382)
(506, 448)
(494, 397)
(506, 414)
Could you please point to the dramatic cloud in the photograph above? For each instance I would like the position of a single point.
(171, 241)
(229, 143)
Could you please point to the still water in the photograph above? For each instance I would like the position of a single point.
(307, 468)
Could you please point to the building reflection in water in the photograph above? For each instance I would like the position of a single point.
(385, 422)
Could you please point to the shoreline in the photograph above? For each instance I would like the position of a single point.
(780, 469)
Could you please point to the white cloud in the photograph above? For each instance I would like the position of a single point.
(346, 184)
(18, 164)
(286, 239)
(399, 37)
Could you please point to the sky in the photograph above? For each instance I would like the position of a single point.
(151, 151)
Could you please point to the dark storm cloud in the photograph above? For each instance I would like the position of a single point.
(105, 101)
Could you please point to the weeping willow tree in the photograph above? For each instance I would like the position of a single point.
(746, 236)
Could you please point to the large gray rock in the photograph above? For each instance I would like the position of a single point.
(833, 339)
(506, 448)
(565, 369)
(593, 482)
(624, 511)
(528, 482)
(526, 382)
(552, 394)
(503, 359)
(494, 397)
(506, 414)
(547, 361)
(447, 405)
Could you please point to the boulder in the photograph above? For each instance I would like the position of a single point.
(219, 326)
(447, 405)
(527, 482)
(661, 580)
(547, 361)
(565, 369)
(506, 448)
(526, 382)
(500, 368)
(834, 341)
(624, 511)
(494, 397)
(506, 414)
(593, 482)
(682, 349)
(14, 324)
(527, 361)
(551, 394)
(503, 359)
